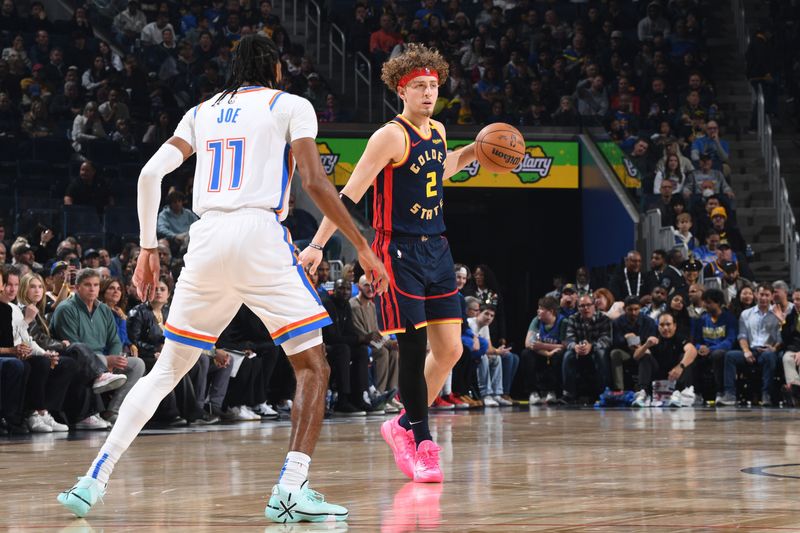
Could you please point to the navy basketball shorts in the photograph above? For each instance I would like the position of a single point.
(422, 288)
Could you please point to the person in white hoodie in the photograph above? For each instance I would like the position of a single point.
(683, 234)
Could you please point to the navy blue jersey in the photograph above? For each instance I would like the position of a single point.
(408, 194)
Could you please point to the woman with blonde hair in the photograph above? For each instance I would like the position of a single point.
(91, 372)
(48, 377)
(606, 304)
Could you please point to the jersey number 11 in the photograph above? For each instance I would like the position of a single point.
(220, 159)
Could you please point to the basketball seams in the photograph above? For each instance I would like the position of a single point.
(494, 150)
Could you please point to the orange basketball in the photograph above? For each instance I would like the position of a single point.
(500, 147)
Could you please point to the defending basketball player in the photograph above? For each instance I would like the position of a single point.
(407, 159)
(247, 140)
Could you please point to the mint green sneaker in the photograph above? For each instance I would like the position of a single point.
(80, 498)
(304, 505)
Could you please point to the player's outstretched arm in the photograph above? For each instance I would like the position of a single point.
(458, 159)
(386, 145)
(169, 157)
(323, 193)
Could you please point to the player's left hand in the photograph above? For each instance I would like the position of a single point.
(310, 258)
(373, 269)
(145, 277)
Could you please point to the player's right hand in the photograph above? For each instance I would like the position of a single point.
(145, 277)
(310, 258)
(373, 269)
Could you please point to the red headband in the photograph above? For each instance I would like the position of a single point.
(416, 73)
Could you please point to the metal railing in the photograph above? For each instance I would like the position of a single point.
(391, 105)
(360, 77)
(655, 235)
(772, 161)
(285, 21)
(740, 21)
(337, 44)
(313, 18)
(780, 194)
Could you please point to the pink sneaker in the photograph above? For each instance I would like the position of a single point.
(426, 464)
(402, 444)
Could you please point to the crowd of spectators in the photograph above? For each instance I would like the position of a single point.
(74, 338)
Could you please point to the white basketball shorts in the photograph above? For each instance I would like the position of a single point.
(242, 257)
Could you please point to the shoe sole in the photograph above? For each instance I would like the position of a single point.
(79, 508)
(111, 385)
(386, 433)
(429, 479)
(280, 517)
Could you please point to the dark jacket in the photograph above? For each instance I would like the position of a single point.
(790, 332)
(342, 331)
(245, 332)
(6, 329)
(619, 288)
(40, 333)
(670, 279)
(144, 330)
(759, 58)
(644, 327)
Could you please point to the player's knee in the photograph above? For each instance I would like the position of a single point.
(312, 362)
(448, 356)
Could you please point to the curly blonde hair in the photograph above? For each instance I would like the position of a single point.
(415, 56)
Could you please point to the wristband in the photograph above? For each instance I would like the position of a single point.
(347, 201)
(315, 246)
(683, 367)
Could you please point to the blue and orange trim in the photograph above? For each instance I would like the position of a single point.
(197, 340)
(300, 327)
(274, 99)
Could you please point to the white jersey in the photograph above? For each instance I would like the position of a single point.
(244, 156)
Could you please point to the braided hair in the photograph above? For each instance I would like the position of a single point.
(254, 61)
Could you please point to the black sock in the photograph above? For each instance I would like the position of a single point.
(411, 379)
(404, 423)
(421, 431)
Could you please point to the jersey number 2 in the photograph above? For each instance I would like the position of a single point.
(431, 186)
(219, 150)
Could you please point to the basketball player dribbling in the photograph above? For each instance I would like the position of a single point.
(407, 160)
(247, 140)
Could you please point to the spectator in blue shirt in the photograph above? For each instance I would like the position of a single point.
(712, 145)
(713, 335)
(174, 221)
(759, 337)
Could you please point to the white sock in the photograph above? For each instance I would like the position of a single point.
(140, 404)
(295, 470)
(104, 463)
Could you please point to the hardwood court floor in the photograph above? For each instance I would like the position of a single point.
(506, 470)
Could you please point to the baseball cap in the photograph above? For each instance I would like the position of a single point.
(724, 245)
(729, 267)
(705, 156)
(719, 212)
(57, 267)
(569, 287)
(692, 265)
(91, 252)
